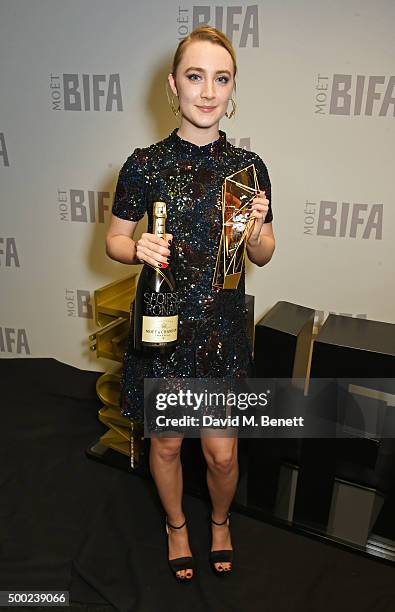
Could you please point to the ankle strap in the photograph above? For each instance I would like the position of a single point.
(223, 522)
(173, 526)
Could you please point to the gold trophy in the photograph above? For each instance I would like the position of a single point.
(238, 191)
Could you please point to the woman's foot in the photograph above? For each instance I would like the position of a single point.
(179, 546)
(221, 540)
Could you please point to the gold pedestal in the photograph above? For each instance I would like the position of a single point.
(112, 307)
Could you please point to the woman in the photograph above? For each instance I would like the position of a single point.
(186, 170)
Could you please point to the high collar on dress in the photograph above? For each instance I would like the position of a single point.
(215, 148)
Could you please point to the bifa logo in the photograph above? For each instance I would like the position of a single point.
(3, 151)
(343, 220)
(78, 303)
(9, 257)
(243, 143)
(347, 94)
(239, 23)
(14, 341)
(321, 315)
(85, 92)
(83, 206)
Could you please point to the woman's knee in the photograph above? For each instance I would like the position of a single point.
(166, 449)
(222, 460)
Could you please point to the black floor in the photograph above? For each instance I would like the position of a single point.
(69, 523)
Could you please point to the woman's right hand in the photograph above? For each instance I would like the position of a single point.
(154, 250)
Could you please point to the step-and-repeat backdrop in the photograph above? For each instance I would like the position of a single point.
(83, 84)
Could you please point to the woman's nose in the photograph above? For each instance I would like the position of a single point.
(208, 90)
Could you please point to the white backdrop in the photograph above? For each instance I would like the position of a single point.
(83, 84)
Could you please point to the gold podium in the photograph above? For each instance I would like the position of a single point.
(112, 308)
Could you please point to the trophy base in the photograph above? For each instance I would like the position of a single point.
(231, 281)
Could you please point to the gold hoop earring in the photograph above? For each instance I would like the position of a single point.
(176, 111)
(232, 111)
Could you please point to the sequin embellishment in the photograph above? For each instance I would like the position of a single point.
(213, 342)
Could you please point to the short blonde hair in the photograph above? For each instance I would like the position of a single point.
(209, 33)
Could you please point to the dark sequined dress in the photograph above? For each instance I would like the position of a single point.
(213, 341)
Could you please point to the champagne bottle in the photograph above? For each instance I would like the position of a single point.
(156, 303)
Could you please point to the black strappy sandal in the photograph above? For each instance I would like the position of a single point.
(180, 563)
(221, 556)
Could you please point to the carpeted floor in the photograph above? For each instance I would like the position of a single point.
(74, 524)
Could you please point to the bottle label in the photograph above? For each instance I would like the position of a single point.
(160, 304)
(159, 329)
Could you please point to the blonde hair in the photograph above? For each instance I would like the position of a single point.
(209, 33)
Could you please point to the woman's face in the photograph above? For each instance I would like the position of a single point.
(204, 78)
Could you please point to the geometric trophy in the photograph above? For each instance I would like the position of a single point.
(238, 191)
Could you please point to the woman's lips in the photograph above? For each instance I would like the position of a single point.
(206, 109)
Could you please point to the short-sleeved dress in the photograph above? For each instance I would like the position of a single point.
(212, 334)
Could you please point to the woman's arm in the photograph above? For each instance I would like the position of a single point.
(119, 242)
(261, 249)
(121, 246)
(261, 243)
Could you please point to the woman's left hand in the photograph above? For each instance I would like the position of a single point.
(259, 209)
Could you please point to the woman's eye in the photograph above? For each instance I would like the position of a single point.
(190, 77)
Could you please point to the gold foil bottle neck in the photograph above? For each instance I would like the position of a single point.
(159, 222)
(159, 209)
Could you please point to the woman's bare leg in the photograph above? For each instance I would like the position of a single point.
(222, 476)
(166, 470)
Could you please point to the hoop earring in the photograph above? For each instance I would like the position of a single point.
(176, 111)
(232, 111)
